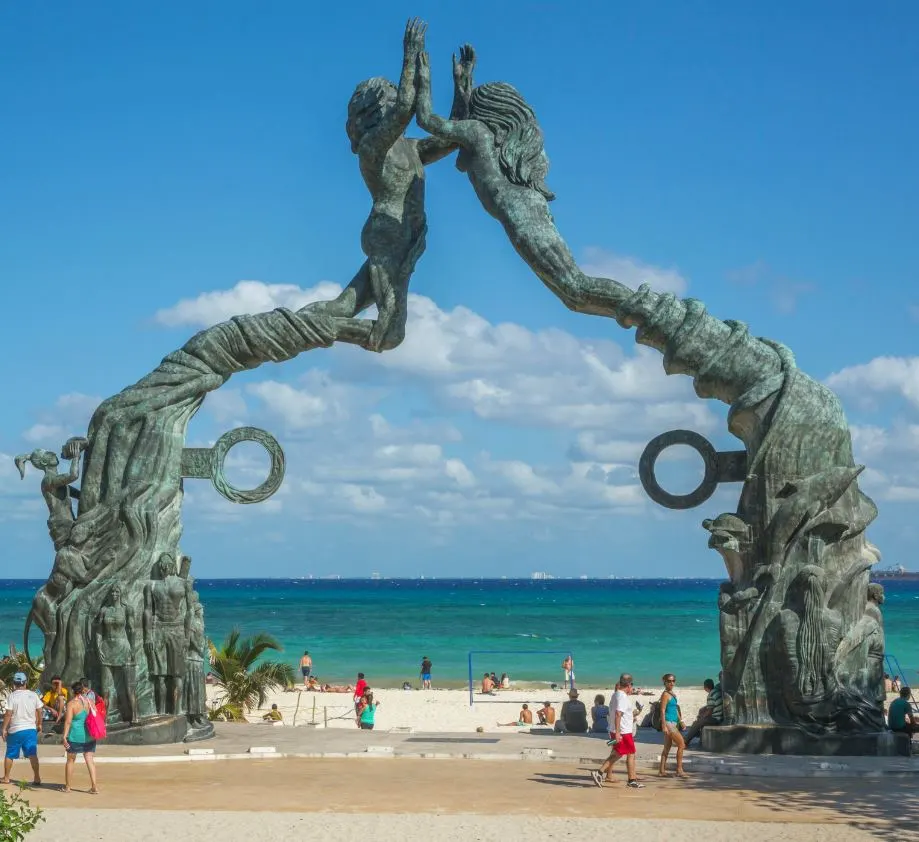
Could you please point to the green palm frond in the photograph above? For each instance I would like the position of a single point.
(243, 684)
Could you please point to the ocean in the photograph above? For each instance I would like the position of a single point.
(384, 627)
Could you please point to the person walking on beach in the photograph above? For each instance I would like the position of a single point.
(306, 668)
(672, 721)
(359, 689)
(622, 736)
(77, 739)
(21, 727)
(568, 670)
(425, 672)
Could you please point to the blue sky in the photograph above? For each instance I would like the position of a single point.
(154, 156)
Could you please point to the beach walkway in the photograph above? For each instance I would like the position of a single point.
(478, 800)
(235, 742)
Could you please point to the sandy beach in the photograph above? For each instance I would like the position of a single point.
(443, 710)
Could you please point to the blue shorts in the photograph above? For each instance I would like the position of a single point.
(22, 741)
(425, 676)
(306, 671)
(82, 748)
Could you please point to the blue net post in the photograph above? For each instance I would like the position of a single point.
(471, 701)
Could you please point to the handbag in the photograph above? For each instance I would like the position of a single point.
(95, 720)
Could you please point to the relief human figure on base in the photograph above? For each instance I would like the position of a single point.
(114, 638)
(166, 620)
(392, 166)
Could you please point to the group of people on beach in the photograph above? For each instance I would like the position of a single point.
(74, 713)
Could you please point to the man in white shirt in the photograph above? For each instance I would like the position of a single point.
(21, 727)
(621, 736)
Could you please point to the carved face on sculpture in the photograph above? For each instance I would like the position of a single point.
(517, 135)
(876, 593)
(371, 99)
(44, 460)
(114, 595)
(165, 566)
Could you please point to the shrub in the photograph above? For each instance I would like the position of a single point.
(17, 818)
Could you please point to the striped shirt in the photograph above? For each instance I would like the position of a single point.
(716, 703)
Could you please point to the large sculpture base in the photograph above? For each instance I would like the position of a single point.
(787, 739)
(158, 730)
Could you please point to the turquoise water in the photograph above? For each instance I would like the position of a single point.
(383, 628)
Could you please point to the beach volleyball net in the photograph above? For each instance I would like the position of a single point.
(553, 669)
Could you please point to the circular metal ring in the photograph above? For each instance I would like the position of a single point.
(660, 443)
(275, 474)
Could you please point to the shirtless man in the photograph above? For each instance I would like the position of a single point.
(166, 632)
(525, 717)
(546, 714)
(392, 166)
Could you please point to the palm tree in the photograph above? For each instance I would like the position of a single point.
(15, 662)
(241, 683)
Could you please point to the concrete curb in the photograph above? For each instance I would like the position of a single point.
(754, 766)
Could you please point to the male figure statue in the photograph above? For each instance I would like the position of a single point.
(166, 620)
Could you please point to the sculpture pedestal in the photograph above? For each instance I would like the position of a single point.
(787, 739)
(158, 730)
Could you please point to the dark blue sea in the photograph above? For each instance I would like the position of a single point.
(384, 627)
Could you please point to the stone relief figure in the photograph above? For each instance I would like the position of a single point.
(195, 696)
(55, 487)
(114, 638)
(166, 630)
(392, 166)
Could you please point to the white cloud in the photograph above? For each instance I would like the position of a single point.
(68, 417)
(632, 272)
(882, 375)
(209, 308)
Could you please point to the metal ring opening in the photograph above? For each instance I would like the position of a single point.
(653, 450)
(275, 475)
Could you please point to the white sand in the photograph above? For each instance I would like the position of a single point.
(444, 710)
(166, 826)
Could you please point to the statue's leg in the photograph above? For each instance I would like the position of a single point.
(353, 298)
(159, 693)
(110, 690)
(130, 692)
(390, 290)
(178, 685)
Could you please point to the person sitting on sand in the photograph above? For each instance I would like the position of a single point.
(546, 714)
(312, 683)
(573, 716)
(488, 686)
(274, 715)
(599, 713)
(505, 681)
(525, 717)
(337, 688)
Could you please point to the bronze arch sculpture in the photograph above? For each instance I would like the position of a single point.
(802, 636)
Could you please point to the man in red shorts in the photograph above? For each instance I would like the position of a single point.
(621, 736)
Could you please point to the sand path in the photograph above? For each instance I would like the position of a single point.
(354, 798)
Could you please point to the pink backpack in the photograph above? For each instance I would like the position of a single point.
(95, 720)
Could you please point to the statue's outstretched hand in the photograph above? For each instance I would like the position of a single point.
(463, 67)
(73, 447)
(413, 40)
(424, 67)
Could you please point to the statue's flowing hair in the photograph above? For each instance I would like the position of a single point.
(811, 633)
(368, 102)
(517, 134)
(39, 458)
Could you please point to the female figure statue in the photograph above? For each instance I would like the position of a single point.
(55, 486)
(114, 637)
(195, 701)
(392, 166)
(501, 150)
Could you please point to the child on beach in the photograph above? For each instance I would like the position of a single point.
(672, 719)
